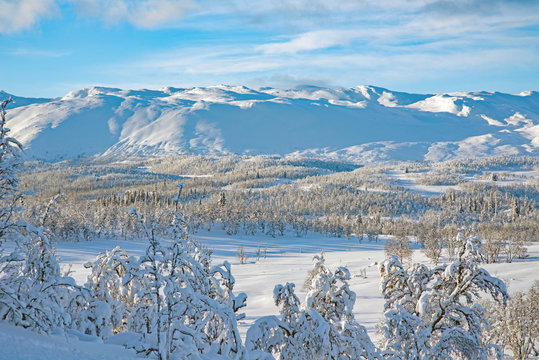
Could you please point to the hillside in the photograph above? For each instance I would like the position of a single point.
(361, 124)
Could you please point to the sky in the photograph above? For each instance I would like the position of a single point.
(51, 47)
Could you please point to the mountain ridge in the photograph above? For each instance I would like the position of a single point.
(359, 124)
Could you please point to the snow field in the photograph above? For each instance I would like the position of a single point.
(289, 258)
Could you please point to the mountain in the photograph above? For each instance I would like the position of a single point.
(360, 124)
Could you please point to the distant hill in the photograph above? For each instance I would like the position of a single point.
(360, 124)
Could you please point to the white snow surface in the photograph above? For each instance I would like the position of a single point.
(17, 343)
(289, 258)
(361, 124)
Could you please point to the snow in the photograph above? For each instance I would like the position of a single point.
(190, 176)
(532, 133)
(364, 90)
(360, 124)
(360, 104)
(519, 276)
(408, 181)
(492, 121)
(17, 343)
(289, 258)
(438, 103)
(387, 99)
(517, 119)
(503, 142)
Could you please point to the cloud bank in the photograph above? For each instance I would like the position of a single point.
(146, 14)
(20, 15)
(338, 42)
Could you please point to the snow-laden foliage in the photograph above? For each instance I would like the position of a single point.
(106, 312)
(172, 296)
(515, 325)
(432, 313)
(33, 292)
(322, 328)
(9, 162)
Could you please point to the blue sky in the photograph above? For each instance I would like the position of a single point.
(50, 47)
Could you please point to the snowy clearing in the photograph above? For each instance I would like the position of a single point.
(289, 258)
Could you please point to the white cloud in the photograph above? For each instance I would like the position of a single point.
(19, 15)
(38, 53)
(141, 13)
(398, 25)
(202, 60)
(313, 40)
(300, 16)
(232, 65)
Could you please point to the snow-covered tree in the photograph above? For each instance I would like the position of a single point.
(515, 325)
(433, 244)
(185, 308)
(432, 313)
(399, 246)
(106, 312)
(33, 292)
(322, 328)
(9, 162)
(32, 289)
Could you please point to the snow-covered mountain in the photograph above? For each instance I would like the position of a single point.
(361, 124)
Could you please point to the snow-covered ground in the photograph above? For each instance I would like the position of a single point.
(410, 181)
(17, 343)
(288, 259)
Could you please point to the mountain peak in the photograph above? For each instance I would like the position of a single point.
(90, 91)
(362, 123)
(4, 95)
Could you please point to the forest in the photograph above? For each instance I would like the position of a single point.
(272, 196)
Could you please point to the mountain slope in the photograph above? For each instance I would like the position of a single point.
(360, 124)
